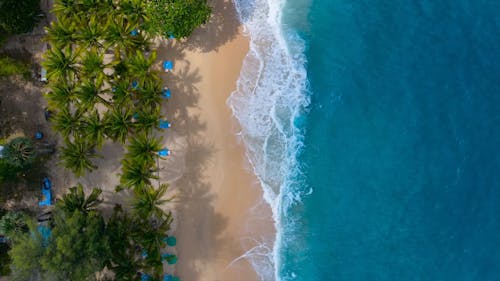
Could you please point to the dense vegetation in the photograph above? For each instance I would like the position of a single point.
(82, 244)
(10, 66)
(103, 88)
(177, 18)
(19, 16)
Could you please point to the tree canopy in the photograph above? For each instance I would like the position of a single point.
(178, 18)
(19, 16)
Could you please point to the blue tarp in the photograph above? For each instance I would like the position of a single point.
(168, 65)
(164, 152)
(47, 184)
(164, 124)
(47, 198)
(45, 232)
(166, 93)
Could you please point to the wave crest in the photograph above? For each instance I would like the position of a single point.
(271, 96)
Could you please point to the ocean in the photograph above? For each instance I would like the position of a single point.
(374, 128)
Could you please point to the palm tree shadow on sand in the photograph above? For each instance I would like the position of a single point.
(221, 28)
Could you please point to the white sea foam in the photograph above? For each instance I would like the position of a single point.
(270, 96)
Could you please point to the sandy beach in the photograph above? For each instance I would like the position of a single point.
(214, 186)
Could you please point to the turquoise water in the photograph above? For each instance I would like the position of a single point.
(401, 142)
(380, 156)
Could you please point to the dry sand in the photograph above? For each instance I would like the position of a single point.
(215, 188)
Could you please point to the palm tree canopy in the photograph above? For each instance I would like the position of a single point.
(148, 201)
(66, 123)
(19, 152)
(61, 32)
(60, 64)
(76, 200)
(118, 123)
(61, 95)
(77, 156)
(143, 148)
(136, 174)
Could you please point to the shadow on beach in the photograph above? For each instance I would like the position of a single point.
(222, 28)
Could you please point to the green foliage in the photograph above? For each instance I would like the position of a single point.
(13, 224)
(8, 173)
(76, 200)
(4, 259)
(176, 17)
(26, 253)
(125, 262)
(77, 156)
(19, 16)
(19, 153)
(136, 174)
(148, 201)
(143, 148)
(10, 66)
(78, 246)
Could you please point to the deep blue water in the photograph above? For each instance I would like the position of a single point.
(401, 141)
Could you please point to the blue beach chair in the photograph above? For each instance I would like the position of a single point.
(166, 93)
(168, 65)
(164, 124)
(164, 152)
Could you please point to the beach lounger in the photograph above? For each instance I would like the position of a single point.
(45, 232)
(47, 198)
(43, 75)
(170, 240)
(164, 152)
(167, 66)
(166, 93)
(164, 124)
(169, 258)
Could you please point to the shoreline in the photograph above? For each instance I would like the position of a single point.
(220, 212)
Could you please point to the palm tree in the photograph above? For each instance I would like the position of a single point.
(147, 202)
(93, 128)
(60, 64)
(136, 174)
(76, 156)
(67, 124)
(120, 89)
(133, 10)
(92, 65)
(12, 224)
(140, 66)
(75, 200)
(60, 33)
(146, 121)
(19, 152)
(118, 34)
(66, 8)
(150, 235)
(89, 32)
(149, 95)
(118, 124)
(143, 148)
(89, 94)
(61, 95)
